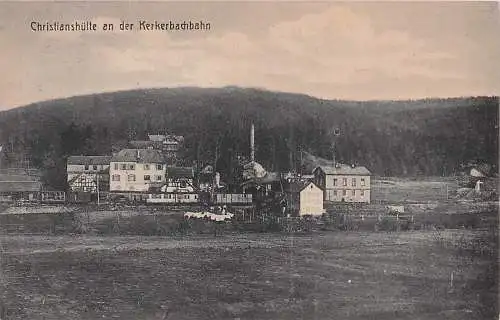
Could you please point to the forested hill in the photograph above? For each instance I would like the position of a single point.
(421, 137)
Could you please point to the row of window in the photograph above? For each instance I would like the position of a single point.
(131, 177)
(353, 192)
(131, 166)
(176, 196)
(87, 167)
(353, 182)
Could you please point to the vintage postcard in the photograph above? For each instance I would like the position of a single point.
(249, 160)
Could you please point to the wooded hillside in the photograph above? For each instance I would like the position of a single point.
(422, 137)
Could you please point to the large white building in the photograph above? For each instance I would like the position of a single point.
(343, 183)
(137, 170)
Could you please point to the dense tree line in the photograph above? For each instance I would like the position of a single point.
(422, 137)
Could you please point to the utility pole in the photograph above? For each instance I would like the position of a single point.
(215, 170)
(252, 143)
(333, 152)
(301, 162)
(97, 186)
(336, 133)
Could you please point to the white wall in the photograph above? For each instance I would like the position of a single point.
(75, 169)
(342, 190)
(336, 195)
(311, 201)
(139, 171)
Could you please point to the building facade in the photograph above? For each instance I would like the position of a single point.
(304, 198)
(87, 173)
(137, 170)
(343, 183)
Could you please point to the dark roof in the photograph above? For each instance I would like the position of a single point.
(80, 175)
(139, 155)
(298, 186)
(20, 186)
(180, 172)
(89, 160)
(75, 178)
(342, 169)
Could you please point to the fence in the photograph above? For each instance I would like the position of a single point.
(233, 198)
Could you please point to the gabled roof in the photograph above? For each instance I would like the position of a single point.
(91, 177)
(180, 172)
(139, 156)
(343, 169)
(74, 178)
(298, 186)
(89, 160)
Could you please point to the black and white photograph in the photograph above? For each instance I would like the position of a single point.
(237, 160)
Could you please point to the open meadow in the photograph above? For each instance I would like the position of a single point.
(401, 190)
(149, 263)
(332, 275)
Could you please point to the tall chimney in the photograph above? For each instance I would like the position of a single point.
(252, 143)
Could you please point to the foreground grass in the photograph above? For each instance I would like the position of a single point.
(259, 276)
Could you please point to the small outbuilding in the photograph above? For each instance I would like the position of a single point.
(304, 198)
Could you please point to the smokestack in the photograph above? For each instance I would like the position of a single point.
(217, 180)
(252, 143)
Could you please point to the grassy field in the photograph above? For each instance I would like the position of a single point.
(333, 275)
(143, 263)
(400, 190)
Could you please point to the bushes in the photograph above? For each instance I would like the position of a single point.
(386, 224)
(393, 224)
(340, 221)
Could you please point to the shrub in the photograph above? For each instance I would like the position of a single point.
(387, 224)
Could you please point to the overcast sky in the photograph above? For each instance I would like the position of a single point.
(358, 51)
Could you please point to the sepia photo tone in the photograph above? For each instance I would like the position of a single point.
(249, 160)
